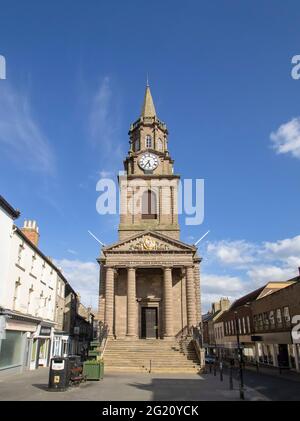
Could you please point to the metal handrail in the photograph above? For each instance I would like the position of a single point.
(103, 339)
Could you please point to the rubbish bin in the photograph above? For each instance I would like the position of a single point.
(59, 374)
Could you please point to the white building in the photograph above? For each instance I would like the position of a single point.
(7, 216)
(31, 297)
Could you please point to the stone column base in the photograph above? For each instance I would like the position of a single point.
(129, 337)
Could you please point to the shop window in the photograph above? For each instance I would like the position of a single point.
(33, 352)
(11, 352)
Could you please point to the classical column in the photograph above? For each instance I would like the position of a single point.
(109, 298)
(197, 291)
(131, 302)
(101, 301)
(168, 303)
(190, 296)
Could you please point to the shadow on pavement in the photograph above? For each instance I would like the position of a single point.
(180, 390)
(41, 387)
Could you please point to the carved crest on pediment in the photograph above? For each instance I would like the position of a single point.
(148, 243)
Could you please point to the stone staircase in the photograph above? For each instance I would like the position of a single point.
(155, 355)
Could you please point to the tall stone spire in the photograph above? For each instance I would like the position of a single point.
(148, 109)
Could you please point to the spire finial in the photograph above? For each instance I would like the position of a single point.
(147, 84)
(148, 109)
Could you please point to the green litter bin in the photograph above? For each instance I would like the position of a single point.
(93, 369)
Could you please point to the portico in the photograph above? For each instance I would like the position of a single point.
(149, 293)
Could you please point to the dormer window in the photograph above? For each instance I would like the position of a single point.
(148, 141)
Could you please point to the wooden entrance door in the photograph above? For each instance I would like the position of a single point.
(149, 322)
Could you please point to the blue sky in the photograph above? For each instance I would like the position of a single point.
(220, 75)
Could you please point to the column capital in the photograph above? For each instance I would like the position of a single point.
(109, 266)
(167, 267)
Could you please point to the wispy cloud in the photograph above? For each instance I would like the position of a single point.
(286, 139)
(104, 121)
(83, 277)
(72, 251)
(233, 268)
(106, 174)
(21, 138)
(236, 253)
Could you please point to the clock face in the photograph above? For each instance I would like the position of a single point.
(148, 161)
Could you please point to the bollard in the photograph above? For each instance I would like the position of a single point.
(230, 379)
(215, 369)
(221, 371)
(210, 367)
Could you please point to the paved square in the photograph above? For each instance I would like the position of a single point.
(125, 386)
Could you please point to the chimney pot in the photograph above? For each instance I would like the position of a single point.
(31, 231)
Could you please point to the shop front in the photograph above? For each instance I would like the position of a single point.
(60, 345)
(275, 349)
(41, 346)
(15, 342)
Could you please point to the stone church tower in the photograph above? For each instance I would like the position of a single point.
(149, 279)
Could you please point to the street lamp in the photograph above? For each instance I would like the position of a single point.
(240, 351)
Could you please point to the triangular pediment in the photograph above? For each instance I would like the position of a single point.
(149, 241)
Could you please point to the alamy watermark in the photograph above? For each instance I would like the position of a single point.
(2, 67)
(296, 327)
(295, 73)
(152, 198)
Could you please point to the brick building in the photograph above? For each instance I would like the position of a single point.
(264, 320)
(211, 328)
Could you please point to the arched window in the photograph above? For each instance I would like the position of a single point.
(160, 145)
(148, 141)
(137, 145)
(149, 205)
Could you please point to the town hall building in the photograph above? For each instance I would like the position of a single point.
(149, 279)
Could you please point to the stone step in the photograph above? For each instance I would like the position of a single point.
(151, 357)
(153, 370)
(135, 355)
